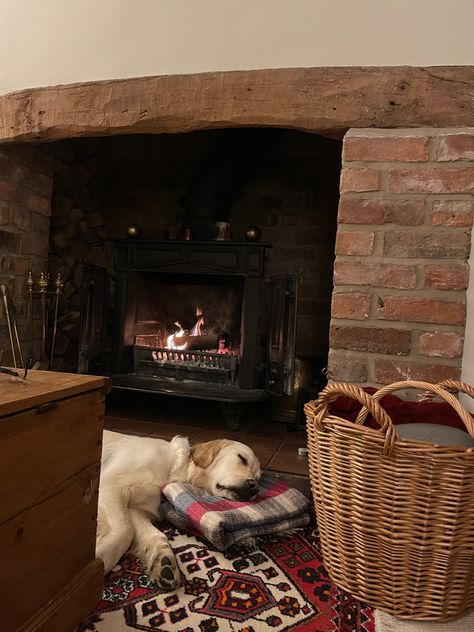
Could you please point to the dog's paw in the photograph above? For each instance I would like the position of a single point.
(165, 571)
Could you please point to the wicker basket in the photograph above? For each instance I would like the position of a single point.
(396, 517)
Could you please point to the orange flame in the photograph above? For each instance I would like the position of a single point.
(170, 340)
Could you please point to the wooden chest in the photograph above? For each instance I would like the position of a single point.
(50, 444)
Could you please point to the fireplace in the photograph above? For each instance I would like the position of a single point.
(186, 322)
(403, 229)
(123, 296)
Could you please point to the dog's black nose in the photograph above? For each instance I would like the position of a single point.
(252, 483)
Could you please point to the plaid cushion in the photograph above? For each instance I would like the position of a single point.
(223, 522)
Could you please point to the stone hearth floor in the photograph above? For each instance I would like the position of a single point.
(276, 444)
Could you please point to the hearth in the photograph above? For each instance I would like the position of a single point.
(186, 322)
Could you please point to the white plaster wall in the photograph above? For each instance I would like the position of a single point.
(467, 374)
(50, 42)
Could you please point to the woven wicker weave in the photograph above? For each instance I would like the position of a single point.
(396, 516)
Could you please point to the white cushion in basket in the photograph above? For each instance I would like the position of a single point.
(435, 433)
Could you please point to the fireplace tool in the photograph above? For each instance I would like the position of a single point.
(30, 282)
(10, 316)
(43, 288)
(58, 284)
(45, 362)
(7, 371)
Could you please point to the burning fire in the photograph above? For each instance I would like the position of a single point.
(196, 330)
(170, 341)
(179, 340)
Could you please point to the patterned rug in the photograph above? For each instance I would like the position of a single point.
(281, 587)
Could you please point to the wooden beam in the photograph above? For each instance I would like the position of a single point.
(321, 100)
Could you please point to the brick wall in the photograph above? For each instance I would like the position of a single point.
(25, 206)
(402, 246)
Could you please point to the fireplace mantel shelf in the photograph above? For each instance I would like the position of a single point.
(196, 257)
(190, 242)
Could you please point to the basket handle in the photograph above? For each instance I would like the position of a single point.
(433, 389)
(453, 386)
(318, 409)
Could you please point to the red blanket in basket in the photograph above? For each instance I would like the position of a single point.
(401, 411)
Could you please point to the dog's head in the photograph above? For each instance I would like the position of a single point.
(225, 468)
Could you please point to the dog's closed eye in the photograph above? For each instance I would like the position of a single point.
(243, 459)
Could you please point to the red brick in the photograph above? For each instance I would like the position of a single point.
(372, 339)
(396, 370)
(404, 212)
(346, 366)
(359, 180)
(375, 274)
(30, 201)
(445, 179)
(354, 243)
(353, 305)
(390, 148)
(38, 204)
(21, 219)
(9, 193)
(34, 156)
(381, 211)
(441, 344)
(434, 244)
(450, 276)
(25, 177)
(421, 310)
(22, 265)
(34, 244)
(455, 147)
(360, 211)
(452, 213)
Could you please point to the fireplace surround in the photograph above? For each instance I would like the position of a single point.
(405, 212)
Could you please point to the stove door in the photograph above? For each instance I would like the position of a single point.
(281, 334)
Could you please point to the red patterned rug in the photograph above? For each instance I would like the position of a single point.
(282, 587)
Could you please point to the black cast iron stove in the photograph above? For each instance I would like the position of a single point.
(186, 317)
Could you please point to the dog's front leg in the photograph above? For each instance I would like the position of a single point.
(153, 548)
(114, 529)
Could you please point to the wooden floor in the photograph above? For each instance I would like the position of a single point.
(275, 444)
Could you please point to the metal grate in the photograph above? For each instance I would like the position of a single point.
(191, 365)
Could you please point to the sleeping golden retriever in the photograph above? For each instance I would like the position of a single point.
(134, 469)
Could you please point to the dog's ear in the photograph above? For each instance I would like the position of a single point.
(203, 454)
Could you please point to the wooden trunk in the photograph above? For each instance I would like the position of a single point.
(50, 445)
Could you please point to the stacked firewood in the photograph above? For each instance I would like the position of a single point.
(78, 236)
